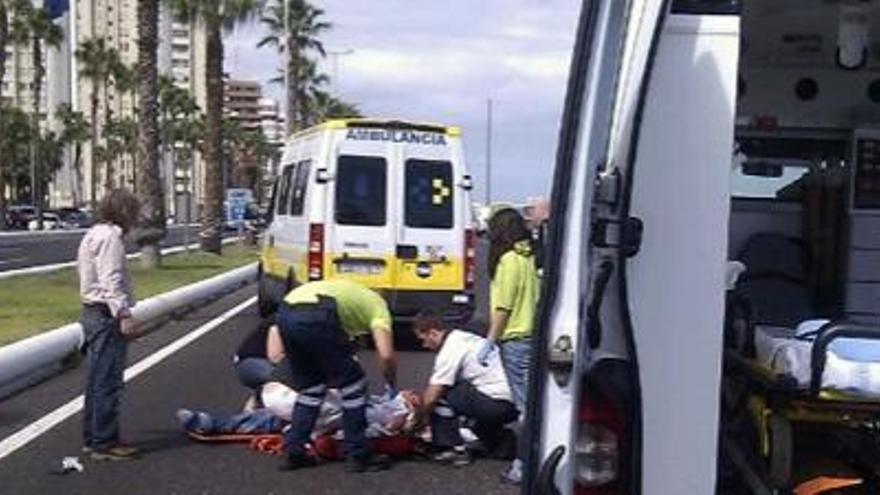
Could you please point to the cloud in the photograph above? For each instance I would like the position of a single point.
(441, 62)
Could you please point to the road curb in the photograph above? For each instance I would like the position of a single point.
(30, 360)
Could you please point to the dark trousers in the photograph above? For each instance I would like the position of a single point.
(489, 415)
(105, 350)
(320, 355)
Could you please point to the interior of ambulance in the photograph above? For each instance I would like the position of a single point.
(801, 381)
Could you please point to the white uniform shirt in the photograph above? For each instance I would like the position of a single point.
(457, 360)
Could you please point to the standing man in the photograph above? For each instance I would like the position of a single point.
(461, 386)
(106, 296)
(318, 322)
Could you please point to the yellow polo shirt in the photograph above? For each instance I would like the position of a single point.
(515, 289)
(360, 309)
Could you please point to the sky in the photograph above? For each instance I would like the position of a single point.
(442, 62)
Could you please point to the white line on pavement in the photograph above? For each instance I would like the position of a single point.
(30, 432)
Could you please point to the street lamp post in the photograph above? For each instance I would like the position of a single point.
(488, 190)
(334, 61)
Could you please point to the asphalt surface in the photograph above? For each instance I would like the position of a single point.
(200, 376)
(25, 249)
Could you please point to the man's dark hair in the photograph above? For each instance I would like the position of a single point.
(426, 320)
(119, 207)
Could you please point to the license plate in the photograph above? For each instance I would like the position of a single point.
(360, 268)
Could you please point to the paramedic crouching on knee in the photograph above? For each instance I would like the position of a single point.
(318, 322)
(461, 386)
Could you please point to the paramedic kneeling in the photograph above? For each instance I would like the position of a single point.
(318, 322)
(461, 386)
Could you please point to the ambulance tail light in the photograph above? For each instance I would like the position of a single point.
(470, 258)
(601, 459)
(316, 251)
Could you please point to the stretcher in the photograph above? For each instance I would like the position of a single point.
(784, 370)
(782, 380)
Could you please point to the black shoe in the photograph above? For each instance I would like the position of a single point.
(296, 460)
(367, 463)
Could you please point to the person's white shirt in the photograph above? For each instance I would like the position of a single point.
(457, 361)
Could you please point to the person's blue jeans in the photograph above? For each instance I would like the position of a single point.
(320, 355)
(516, 355)
(254, 422)
(106, 351)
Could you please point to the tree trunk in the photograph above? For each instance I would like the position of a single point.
(37, 193)
(93, 179)
(4, 40)
(151, 228)
(292, 100)
(77, 173)
(212, 209)
(108, 159)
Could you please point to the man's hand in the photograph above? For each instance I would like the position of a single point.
(485, 351)
(128, 328)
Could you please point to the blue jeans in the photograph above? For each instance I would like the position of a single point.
(106, 351)
(516, 355)
(255, 422)
(319, 356)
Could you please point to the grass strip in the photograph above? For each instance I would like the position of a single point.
(32, 304)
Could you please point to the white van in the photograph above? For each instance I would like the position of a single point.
(689, 128)
(381, 202)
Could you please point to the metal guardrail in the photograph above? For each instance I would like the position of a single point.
(25, 361)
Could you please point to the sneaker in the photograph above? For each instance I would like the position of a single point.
(367, 463)
(297, 460)
(195, 422)
(117, 452)
(513, 473)
(455, 457)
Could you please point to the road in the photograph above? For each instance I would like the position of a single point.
(25, 249)
(200, 376)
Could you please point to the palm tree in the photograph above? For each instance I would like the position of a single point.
(75, 131)
(4, 41)
(325, 106)
(32, 25)
(217, 15)
(299, 37)
(96, 65)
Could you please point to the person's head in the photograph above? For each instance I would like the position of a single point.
(429, 329)
(506, 228)
(119, 207)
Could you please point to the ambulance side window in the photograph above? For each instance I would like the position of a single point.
(429, 194)
(284, 191)
(361, 190)
(299, 186)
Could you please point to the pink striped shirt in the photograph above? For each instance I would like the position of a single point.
(103, 276)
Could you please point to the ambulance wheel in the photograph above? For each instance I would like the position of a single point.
(781, 451)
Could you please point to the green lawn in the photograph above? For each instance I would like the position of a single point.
(32, 304)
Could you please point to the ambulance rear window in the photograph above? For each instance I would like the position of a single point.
(429, 194)
(361, 190)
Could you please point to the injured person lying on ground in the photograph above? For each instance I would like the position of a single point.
(387, 418)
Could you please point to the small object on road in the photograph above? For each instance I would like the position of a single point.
(69, 465)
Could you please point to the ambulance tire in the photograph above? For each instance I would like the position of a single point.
(264, 295)
(781, 451)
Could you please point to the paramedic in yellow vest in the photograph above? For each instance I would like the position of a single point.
(513, 300)
(318, 323)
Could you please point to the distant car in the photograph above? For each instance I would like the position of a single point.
(74, 218)
(51, 221)
(18, 216)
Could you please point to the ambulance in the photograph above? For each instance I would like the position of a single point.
(381, 202)
(691, 128)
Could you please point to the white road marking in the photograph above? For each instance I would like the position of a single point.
(30, 432)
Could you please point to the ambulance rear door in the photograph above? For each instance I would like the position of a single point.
(360, 238)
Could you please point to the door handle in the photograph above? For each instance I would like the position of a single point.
(407, 252)
(544, 484)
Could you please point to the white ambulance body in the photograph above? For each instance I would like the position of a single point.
(381, 202)
(673, 110)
